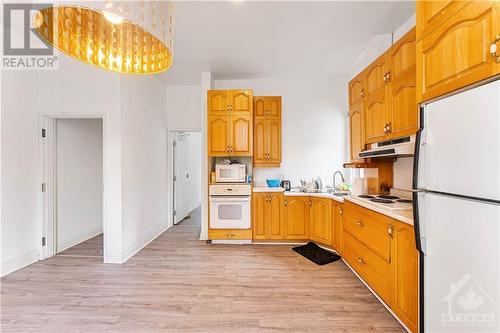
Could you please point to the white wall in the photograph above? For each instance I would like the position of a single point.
(144, 161)
(79, 161)
(314, 126)
(183, 107)
(194, 170)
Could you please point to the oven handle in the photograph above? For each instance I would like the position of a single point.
(225, 198)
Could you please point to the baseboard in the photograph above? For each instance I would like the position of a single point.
(80, 240)
(16, 264)
(157, 231)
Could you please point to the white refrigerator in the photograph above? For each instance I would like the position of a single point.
(457, 211)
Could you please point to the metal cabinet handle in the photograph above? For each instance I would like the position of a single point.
(390, 230)
(310, 203)
(359, 223)
(230, 235)
(286, 203)
(230, 149)
(341, 211)
(493, 49)
(362, 93)
(361, 261)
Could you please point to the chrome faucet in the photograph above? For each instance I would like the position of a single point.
(341, 177)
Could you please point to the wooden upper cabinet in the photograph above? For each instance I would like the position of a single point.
(356, 133)
(457, 52)
(404, 275)
(267, 131)
(402, 84)
(241, 135)
(218, 102)
(241, 101)
(296, 217)
(321, 220)
(230, 123)
(376, 116)
(375, 76)
(218, 135)
(356, 89)
(430, 14)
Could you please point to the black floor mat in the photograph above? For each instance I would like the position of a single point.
(316, 254)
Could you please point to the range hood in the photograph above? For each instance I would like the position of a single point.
(404, 147)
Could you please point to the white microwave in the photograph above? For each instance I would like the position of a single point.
(232, 173)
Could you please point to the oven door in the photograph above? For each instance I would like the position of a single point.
(230, 212)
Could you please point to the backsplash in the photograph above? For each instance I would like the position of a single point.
(403, 173)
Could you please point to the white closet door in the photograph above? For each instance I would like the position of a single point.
(182, 178)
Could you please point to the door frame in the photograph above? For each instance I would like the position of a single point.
(47, 203)
(172, 132)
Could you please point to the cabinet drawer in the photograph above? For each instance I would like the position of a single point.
(369, 227)
(371, 267)
(236, 234)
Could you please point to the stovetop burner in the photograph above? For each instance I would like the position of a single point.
(382, 200)
(366, 196)
(390, 197)
(404, 201)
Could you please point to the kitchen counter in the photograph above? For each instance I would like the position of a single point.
(316, 195)
(405, 216)
(268, 189)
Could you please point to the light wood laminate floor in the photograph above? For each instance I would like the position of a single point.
(180, 284)
(90, 248)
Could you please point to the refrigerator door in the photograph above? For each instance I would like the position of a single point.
(461, 264)
(460, 144)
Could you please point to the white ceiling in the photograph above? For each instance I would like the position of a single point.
(246, 39)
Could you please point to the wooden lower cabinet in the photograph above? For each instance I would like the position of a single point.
(337, 213)
(369, 265)
(320, 213)
(383, 252)
(296, 215)
(267, 216)
(404, 267)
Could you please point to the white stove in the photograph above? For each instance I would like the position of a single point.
(391, 202)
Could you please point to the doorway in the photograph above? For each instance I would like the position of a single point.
(73, 178)
(186, 173)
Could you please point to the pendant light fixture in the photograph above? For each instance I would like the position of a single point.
(133, 37)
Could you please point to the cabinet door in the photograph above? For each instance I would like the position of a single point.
(430, 14)
(275, 208)
(402, 77)
(337, 226)
(321, 220)
(259, 107)
(218, 135)
(375, 116)
(274, 143)
(296, 217)
(260, 143)
(218, 102)
(259, 215)
(241, 135)
(356, 134)
(356, 89)
(375, 74)
(241, 102)
(457, 53)
(404, 267)
(273, 106)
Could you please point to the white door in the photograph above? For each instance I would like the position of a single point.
(79, 181)
(461, 242)
(181, 178)
(460, 150)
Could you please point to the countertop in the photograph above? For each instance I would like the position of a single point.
(405, 216)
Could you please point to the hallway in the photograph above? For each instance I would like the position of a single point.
(178, 283)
